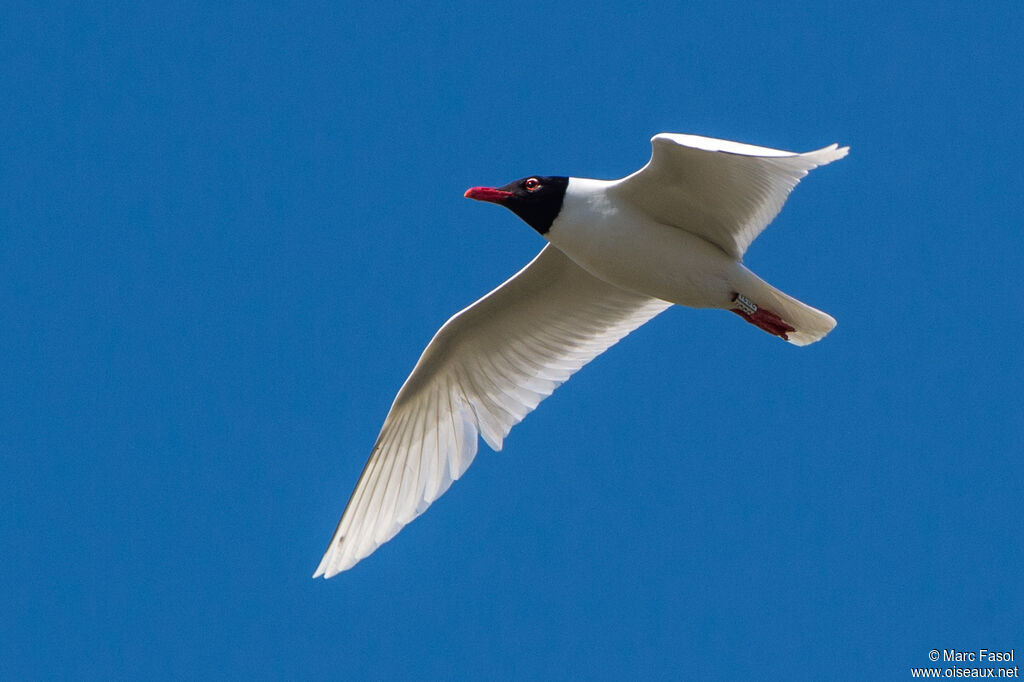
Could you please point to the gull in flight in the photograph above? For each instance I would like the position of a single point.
(619, 252)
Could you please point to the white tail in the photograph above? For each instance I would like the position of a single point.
(810, 324)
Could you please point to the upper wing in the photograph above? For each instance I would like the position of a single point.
(484, 370)
(726, 192)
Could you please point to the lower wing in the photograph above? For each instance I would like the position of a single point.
(488, 367)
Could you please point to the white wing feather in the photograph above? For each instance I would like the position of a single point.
(726, 192)
(485, 369)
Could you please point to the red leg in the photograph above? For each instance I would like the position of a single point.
(760, 317)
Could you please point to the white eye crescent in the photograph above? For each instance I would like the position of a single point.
(532, 185)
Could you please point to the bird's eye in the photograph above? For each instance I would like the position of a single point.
(532, 185)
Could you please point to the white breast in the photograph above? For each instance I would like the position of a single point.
(624, 247)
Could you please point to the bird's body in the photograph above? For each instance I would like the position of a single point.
(620, 252)
(649, 257)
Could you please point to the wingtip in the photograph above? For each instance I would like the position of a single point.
(826, 155)
(333, 563)
(325, 571)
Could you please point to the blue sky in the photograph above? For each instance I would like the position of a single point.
(226, 233)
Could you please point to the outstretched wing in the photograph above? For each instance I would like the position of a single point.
(485, 369)
(726, 192)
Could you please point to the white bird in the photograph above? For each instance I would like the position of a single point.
(619, 252)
